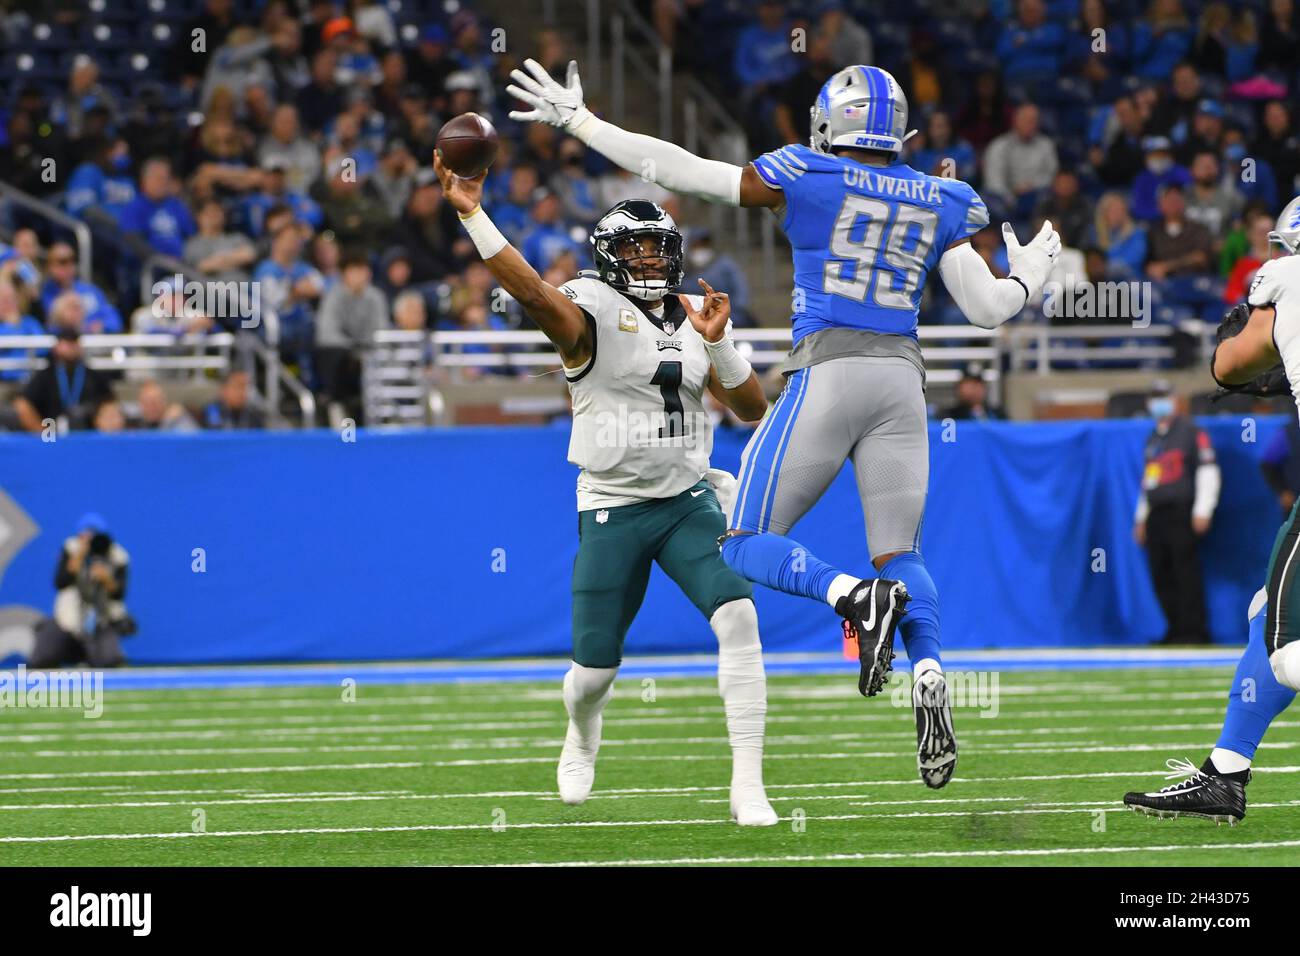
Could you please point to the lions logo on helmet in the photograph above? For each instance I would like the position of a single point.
(861, 107)
(638, 250)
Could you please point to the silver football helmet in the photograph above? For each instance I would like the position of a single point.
(861, 107)
(1287, 231)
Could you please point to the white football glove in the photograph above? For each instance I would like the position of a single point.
(1032, 263)
(551, 103)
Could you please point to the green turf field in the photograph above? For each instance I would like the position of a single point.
(456, 774)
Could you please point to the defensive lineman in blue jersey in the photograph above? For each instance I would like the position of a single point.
(866, 231)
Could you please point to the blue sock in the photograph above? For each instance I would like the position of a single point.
(1256, 696)
(920, 625)
(780, 563)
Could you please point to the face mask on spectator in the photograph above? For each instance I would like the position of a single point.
(1160, 407)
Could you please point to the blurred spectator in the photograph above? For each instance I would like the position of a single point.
(61, 268)
(1160, 171)
(972, 399)
(1172, 117)
(795, 95)
(172, 312)
(65, 389)
(936, 151)
(238, 64)
(1020, 163)
(395, 177)
(1115, 234)
(849, 40)
(324, 258)
(289, 288)
(14, 322)
(1226, 41)
(763, 57)
(232, 409)
(1212, 201)
(550, 235)
(1070, 211)
(349, 316)
(156, 217)
(1175, 245)
(394, 272)
(1161, 39)
(213, 23)
(1031, 47)
(83, 94)
(1279, 45)
(1279, 146)
(428, 65)
(349, 213)
(1103, 56)
(428, 230)
(410, 314)
(1119, 158)
(1206, 134)
(511, 216)
(1254, 174)
(576, 190)
(1176, 505)
(154, 412)
(103, 182)
(321, 99)
(219, 255)
(986, 113)
(1258, 225)
(285, 143)
(274, 192)
(719, 270)
(108, 417)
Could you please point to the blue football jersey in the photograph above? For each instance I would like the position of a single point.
(865, 237)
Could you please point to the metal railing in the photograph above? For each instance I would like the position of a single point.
(60, 218)
(700, 111)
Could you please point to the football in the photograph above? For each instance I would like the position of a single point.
(467, 144)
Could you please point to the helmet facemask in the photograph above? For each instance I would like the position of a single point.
(644, 263)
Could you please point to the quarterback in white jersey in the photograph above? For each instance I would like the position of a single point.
(1254, 338)
(638, 358)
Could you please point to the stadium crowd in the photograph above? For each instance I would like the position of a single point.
(292, 148)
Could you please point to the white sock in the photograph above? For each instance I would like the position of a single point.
(743, 686)
(1285, 662)
(925, 664)
(586, 692)
(842, 586)
(1228, 761)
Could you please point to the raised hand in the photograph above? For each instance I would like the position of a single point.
(551, 103)
(711, 320)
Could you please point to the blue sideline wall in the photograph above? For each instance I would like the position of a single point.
(317, 549)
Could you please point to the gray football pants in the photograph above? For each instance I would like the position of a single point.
(867, 410)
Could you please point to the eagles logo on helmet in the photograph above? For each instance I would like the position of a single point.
(635, 239)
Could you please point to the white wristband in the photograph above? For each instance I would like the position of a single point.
(483, 231)
(733, 368)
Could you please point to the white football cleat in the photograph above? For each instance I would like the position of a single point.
(749, 807)
(577, 770)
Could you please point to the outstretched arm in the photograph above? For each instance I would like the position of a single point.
(554, 312)
(986, 300)
(731, 379)
(652, 159)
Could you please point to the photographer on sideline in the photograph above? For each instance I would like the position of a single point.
(90, 618)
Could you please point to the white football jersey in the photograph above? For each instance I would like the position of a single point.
(1277, 283)
(640, 428)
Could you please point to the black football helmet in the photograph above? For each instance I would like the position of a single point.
(623, 256)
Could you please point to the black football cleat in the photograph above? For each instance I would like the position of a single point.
(1204, 793)
(871, 612)
(936, 742)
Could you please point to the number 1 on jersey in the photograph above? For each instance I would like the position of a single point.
(668, 376)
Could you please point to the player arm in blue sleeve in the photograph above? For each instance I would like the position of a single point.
(664, 163)
(563, 321)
